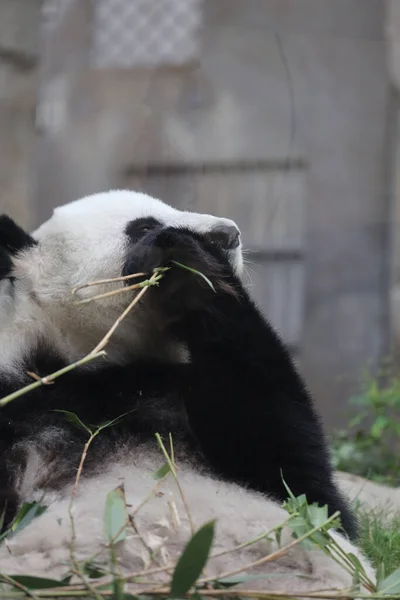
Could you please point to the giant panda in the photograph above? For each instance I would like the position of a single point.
(194, 360)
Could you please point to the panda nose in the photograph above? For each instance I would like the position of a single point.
(225, 236)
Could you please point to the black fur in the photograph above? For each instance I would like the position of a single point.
(239, 405)
(12, 239)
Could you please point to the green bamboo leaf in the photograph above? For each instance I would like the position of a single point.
(291, 496)
(356, 562)
(74, 419)
(390, 584)
(94, 571)
(36, 583)
(180, 265)
(26, 514)
(192, 561)
(112, 422)
(115, 518)
(162, 471)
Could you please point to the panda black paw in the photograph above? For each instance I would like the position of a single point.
(197, 269)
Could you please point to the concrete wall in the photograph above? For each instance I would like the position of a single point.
(278, 79)
(19, 23)
(392, 28)
(336, 60)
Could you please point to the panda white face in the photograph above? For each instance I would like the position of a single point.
(88, 240)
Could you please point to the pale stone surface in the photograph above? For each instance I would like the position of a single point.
(372, 495)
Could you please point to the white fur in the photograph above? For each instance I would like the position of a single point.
(85, 241)
(43, 547)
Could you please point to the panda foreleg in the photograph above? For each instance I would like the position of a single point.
(249, 409)
(246, 404)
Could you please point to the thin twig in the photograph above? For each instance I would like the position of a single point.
(49, 378)
(95, 353)
(110, 332)
(132, 515)
(37, 377)
(149, 550)
(228, 593)
(104, 281)
(167, 568)
(345, 594)
(77, 570)
(260, 537)
(340, 556)
(274, 555)
(80, 467)
(150, 494)
(174, 473)
(170, 567)
(122, 290)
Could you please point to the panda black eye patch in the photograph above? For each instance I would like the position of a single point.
(139, 227)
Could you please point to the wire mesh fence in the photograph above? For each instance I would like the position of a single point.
(129, 33)
(146, 32)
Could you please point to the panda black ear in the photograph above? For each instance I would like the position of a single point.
(12, 239)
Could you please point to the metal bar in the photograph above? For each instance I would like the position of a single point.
(183, 168)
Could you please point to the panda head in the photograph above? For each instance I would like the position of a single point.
(86, 240)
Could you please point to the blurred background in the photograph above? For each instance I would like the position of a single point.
(280, 114)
